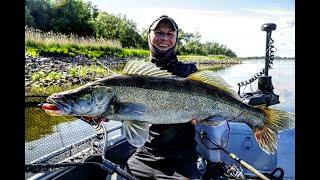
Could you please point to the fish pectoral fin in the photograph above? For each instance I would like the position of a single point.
(137, 133)
(133, 109)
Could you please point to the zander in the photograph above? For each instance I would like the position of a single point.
(144, 94)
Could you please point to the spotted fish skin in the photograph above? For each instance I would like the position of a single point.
(145, 95)
(177, 100)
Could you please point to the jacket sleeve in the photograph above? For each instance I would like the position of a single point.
(180, 69)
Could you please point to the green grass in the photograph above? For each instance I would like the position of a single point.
(34, 36)
(48, 90)
(79, 71)
(54, 76)
(40, 75)
(38, 43)
(37, 76)
(73, 71)
(204, 58)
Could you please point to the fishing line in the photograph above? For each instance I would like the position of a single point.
(203, 135)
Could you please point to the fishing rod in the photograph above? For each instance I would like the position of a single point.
(234, 157)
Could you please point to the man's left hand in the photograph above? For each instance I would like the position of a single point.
(193, 121)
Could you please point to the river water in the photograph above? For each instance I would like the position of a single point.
(283, 79)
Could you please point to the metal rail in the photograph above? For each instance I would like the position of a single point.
(70, 147)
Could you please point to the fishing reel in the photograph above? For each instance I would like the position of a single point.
(264, 94)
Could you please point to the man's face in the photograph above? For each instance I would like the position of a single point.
(164, 36)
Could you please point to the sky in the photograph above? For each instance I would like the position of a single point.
(233, 23)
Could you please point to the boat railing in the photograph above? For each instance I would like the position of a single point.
(69, 153)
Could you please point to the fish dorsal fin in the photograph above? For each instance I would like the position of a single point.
(212, 79)
(137, 133)
(139, 67)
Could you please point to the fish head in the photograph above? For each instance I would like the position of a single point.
(90, 100)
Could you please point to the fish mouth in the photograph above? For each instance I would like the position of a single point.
(55, 108)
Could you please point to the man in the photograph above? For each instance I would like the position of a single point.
(170, 151)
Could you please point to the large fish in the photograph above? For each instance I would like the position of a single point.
(143, 95)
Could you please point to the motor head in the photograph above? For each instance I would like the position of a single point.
(268, 27)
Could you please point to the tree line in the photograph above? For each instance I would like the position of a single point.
(85, 19)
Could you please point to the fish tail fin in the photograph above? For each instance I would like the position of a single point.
(276, 121)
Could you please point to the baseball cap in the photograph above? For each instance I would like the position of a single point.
(155, 23)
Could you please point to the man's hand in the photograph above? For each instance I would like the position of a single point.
(193, 121)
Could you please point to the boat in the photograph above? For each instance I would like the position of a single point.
(103, 155)
(110, 162)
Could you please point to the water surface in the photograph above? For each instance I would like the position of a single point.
(283, 79)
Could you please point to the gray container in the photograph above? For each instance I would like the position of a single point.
(217, 134)
(241, 142)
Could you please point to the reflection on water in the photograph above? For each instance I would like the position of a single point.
(38, 123)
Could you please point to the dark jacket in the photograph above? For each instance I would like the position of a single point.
(176, 67)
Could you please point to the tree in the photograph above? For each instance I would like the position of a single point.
(28, 18)
(189, 43)
(144, 36)
(40, 10)
(106, 26)
(73, 16)
(118, 27)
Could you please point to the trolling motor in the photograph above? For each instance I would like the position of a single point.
(264, 94)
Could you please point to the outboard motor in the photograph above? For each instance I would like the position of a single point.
(264, 94)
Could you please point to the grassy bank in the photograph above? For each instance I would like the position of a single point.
(203, 58)
(39, 43)
(47, 90)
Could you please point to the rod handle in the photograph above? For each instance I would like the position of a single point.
(250, 168)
